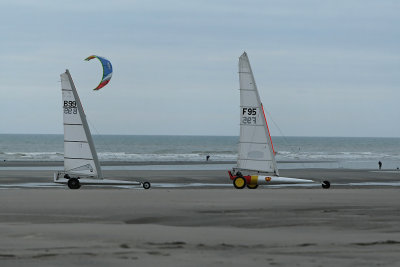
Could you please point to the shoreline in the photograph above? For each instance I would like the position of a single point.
(53, 163)
(38, 163)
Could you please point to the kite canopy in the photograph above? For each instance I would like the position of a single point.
(107, 71)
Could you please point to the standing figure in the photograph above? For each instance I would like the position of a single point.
(380, 164)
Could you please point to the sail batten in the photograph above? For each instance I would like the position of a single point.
(256, 159)
(80, 155)
(248, 142)
(255, 146)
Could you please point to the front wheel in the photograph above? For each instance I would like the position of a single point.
(146, 185)
(239, 182)
(73, 183)
(326, 184)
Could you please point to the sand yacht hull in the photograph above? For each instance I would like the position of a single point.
(59, 179)
(253, 181)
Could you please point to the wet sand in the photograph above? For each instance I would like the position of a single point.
(341, 177)
(104, 226)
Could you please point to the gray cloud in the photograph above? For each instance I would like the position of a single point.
(326, 68)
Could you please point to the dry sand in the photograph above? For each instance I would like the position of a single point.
(283, 227)
(338, 177)
(95, 226)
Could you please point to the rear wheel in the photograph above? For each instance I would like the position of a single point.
(252, 186)
(73, 183)
(146, 185)
(239, 182)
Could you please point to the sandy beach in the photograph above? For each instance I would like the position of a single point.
(347, 225)
(13, 173)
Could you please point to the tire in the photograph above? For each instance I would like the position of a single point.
(146, 185)
(326, 184)
(252, 186)
(73, 183)
(239, 182)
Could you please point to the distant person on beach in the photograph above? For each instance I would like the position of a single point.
(208, 157)
(380, 164)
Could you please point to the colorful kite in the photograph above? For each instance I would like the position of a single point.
(107, 71)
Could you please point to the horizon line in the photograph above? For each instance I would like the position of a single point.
(203, 135)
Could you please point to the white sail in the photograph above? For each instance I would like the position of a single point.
(255, 146)
(80, 157)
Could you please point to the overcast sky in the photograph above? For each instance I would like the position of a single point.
(323, 68)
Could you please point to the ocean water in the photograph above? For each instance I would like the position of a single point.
(292, 152)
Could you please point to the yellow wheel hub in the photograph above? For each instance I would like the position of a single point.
(240, 182)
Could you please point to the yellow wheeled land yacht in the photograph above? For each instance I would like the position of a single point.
(256, 164)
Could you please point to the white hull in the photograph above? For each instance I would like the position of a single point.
(91, 181)
(266, 180)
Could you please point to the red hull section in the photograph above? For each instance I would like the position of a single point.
(232, 177)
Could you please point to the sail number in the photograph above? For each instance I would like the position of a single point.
(249, 111)
(249, 115)
(70, 107)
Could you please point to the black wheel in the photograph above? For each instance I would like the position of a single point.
(252, 186)
(73, 183)
(239, 182)
(326, 184)
(146, 185)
